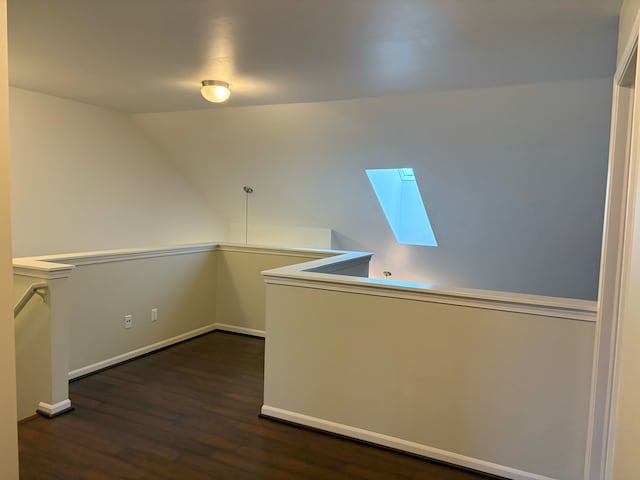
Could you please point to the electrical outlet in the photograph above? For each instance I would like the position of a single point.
(128, 321)
(154, 314)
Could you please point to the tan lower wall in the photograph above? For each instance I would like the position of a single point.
(501, 387)
(181, 287)
(194, 293)
(240, 289)
(506, 388)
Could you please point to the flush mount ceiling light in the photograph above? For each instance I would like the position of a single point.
(215, 91)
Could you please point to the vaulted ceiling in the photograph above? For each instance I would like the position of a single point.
(150, 55)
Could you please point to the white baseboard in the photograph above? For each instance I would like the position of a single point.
(400, 444)
(54, 410)
(164, 343)
(246, 331)
(140, 351)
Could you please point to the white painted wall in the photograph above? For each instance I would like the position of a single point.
(86, 178)
(8, 419)
(513, 178)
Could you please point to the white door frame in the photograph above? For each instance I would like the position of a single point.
(622, 189)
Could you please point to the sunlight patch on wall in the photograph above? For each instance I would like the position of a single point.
(401, 202)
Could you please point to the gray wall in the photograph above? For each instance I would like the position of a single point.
(513, 178)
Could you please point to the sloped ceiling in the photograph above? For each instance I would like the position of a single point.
(150, 55)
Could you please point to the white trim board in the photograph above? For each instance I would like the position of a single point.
(400, 444)
(54, 410)
(223, 327)
(50, 262)
(315, 275)
(110, 256)
(280, 251)
(570, 309)
(109, 362)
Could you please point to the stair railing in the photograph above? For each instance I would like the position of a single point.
(34, 289)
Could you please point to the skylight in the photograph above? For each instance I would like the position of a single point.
(401, 202)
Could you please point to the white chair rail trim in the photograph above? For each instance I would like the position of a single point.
(109, 256)
(308, 275)
(305, 276)
(56, 262)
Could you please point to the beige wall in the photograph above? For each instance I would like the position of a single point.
(240, 287)
(33, 350)
(626, 438)
(194, 292)
(191, 291)
(86, 178)
(182, 287)
(501, 387)
(628, 14)
(97, 297)
(8, 427)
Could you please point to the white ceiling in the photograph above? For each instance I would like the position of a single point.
(150, 55)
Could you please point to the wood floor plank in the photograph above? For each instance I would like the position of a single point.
(191, 412)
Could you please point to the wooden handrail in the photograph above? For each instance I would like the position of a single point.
(35, 288)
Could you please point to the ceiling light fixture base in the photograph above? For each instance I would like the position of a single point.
(215, 91)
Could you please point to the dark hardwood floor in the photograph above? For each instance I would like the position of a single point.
(191, 412)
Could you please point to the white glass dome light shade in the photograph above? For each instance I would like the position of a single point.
(215, 91)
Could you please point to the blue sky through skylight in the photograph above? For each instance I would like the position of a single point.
(401, 202)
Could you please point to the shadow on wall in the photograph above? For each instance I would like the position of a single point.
(341, 241)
